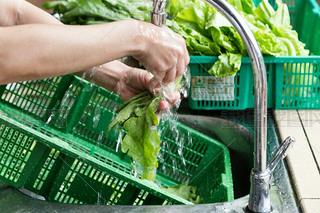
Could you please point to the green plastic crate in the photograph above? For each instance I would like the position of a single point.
(204, 86)
(53, 143)
(293, 82)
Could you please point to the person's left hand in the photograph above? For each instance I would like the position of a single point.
(127, 82)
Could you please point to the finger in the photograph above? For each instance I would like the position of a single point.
(171, 100)
(170, 75)
(164, 105)
(145, 77)
(181, 67)
(187, 58)
(154, 86)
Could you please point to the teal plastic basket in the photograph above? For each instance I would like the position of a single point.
(293, 82)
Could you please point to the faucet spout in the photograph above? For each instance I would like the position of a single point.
(158, 14)
(260, 79)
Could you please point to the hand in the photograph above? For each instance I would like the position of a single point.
(163, 52)
(133, 81)
(126, 81)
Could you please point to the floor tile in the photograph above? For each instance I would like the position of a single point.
(312, 129)
(301, 162)
(310, 205)
(286, 114)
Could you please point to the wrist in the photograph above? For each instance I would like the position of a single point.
(138, 38)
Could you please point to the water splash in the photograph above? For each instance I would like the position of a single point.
(169, 128)
(181, 142)
(53, 113)
(61, 109)
(99, 199)
(120, 136)
(96, 117)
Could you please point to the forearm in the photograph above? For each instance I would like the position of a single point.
(28, 14)
(15, 12)
(51, 50)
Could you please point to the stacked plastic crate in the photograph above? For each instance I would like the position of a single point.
(293, 82)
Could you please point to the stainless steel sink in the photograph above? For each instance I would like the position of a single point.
(236, 137)
(234, 129)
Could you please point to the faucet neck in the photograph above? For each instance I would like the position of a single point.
(158, 14)
(259, 193)
(159, 6)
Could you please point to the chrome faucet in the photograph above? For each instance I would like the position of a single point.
(158, 14)
(261, 174)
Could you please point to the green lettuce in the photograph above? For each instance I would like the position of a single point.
(184, 191)
(137, 117)
(227, 64)
(207, 32)
(141, 142)
(279, 24)
(99, 11)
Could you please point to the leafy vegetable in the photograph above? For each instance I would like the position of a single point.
(228, 64)
(184, 191)
(99, 11)
(207, 32)
(141, 142)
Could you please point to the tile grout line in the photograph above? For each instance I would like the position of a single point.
(310, 198)
(309, 143)
(299, 190)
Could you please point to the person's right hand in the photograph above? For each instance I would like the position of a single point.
(163, 52)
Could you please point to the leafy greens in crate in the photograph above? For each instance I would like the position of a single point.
(207, 32)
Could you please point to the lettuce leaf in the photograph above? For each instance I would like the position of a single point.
(141, 142)
(227, 64)
(270, 27)
(97, 11)
(184, 191)
(279, 23)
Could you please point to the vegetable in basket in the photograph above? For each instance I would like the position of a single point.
(207, 32)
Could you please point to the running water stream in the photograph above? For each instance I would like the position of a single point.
(169, 118)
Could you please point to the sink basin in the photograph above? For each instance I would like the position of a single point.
(236, 137)
(232, 128)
